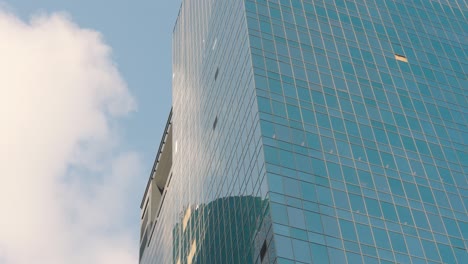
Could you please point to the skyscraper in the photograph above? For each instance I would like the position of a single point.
(313, 131)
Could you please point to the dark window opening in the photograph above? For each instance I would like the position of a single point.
(216, 73)
(263, 251)
(161, 190)
(215, 122)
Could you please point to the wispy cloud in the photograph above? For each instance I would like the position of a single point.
(64, 180)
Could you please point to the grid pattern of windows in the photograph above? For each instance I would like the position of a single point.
(363, 113)
(215, 205)
(317, 131)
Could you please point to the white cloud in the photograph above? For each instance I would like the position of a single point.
(64, 182)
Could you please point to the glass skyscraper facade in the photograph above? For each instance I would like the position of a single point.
(310, 131)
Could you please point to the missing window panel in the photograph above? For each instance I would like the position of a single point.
(215, 122)
(216, 73)
(401, 58)
(263, 251)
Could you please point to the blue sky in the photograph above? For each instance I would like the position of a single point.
(140, 35)
(83, 108)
